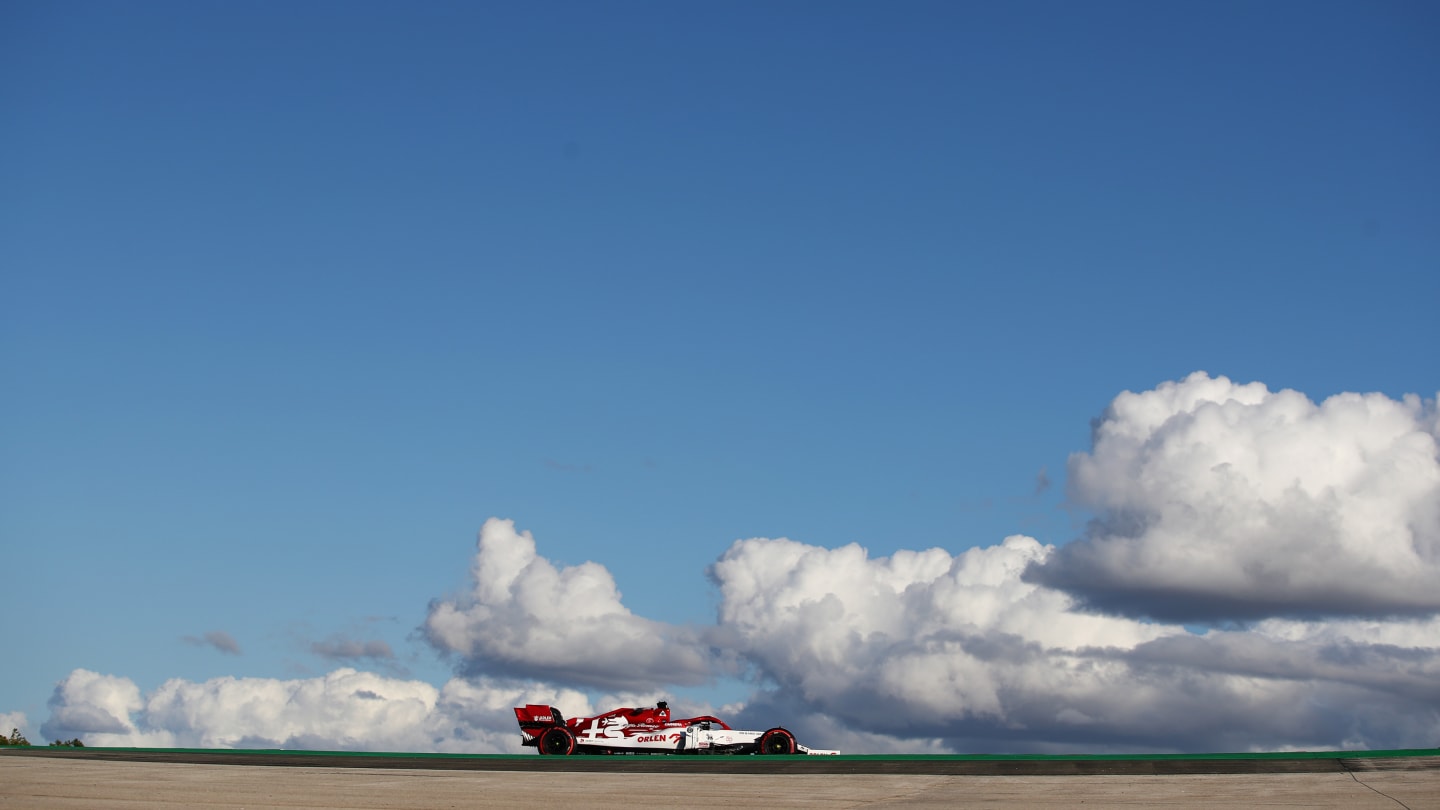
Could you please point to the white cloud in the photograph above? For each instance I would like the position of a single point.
(99, 709)
(771, 707)
(923, 646)
(15, 721)
(1219, 501)
(912, 644)
(344, 710)
(812, 606)
(1214, 500)
(525, 617)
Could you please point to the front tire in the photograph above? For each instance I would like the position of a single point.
(776, 741)
(557, 741)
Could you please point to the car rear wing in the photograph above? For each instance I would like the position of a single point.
(534, 717)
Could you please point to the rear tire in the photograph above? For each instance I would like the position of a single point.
(557, 741)
(776, 741)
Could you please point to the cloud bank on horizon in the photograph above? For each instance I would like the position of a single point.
(1304, 536)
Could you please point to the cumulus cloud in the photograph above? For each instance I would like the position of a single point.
(767, 707)
(925, 650)
(1217, 501)
(98, 709)
(14, 721)
(930, 649)
(344, 710)
(525, 617)
(1315, 524)
(916, 645)
(219, 639)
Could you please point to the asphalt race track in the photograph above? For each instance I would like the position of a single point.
(221, 780)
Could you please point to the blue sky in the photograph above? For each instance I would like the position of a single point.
(297, 296)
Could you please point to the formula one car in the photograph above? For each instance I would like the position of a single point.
(646, 731)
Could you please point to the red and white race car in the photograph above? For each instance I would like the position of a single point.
(646, 731)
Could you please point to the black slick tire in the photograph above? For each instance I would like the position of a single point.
(776, 741)
(557, 741)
